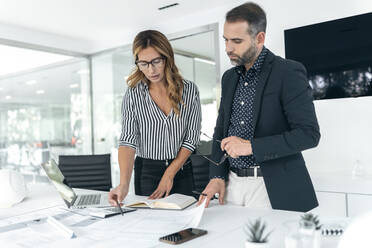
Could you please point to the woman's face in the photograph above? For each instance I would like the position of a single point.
(152, 64)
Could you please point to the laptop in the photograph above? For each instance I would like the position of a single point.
(68, 195)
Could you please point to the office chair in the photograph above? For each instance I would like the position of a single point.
(87, 171)
(200, 169)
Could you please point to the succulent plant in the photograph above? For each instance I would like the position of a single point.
(313, 219)
(255, 231)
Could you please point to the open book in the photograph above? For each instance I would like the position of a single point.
(174, 201)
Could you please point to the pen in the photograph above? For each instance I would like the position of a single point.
(199, 193)
(121, 210)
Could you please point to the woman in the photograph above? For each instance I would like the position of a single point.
(161, 123)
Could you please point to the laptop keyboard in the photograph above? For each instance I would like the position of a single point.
(89, 200)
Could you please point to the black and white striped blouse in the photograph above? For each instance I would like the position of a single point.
(153, 134)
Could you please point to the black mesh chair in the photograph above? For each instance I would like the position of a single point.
(87, 171)
(200, 169)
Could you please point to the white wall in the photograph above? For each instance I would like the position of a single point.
(346, 128)
(281, 15)
(346, 124)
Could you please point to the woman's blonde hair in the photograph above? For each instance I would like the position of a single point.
(173, 79)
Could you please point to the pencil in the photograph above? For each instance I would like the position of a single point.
(121, 210)
(199, 193)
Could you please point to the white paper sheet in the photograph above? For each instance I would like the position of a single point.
(33, 230)
(141, 228)
(147, 225)
(34, 235)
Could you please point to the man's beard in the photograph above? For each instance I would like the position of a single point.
(248, 56)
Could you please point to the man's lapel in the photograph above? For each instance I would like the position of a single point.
(263, 78)
(230, 88)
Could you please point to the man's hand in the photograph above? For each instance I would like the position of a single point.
(118, 193)
(236, 146)
(164, 187)
(215, 185)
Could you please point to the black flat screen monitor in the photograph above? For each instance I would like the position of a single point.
(337, 55)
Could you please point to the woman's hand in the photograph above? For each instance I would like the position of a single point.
(164, 187)
(118, 194)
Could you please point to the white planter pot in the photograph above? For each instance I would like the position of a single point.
(317, 239)
(256, 245)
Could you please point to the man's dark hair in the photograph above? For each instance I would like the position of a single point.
(250, 12)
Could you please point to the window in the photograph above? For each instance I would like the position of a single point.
(44, 108)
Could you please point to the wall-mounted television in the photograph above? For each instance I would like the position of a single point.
(337, 55)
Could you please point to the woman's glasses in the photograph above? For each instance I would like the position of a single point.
(144, 65)
(224, 157)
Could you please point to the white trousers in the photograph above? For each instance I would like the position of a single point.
(247, 191)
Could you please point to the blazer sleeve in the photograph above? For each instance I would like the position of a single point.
(220, 171)
(298, 108)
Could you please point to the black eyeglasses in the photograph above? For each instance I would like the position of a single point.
(144, 65)
(224, 157)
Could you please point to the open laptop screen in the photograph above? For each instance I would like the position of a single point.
(56, 177)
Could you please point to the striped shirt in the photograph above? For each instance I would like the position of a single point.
(153, 134)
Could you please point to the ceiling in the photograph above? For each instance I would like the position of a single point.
(96, 20)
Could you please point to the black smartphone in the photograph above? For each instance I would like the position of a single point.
(182, 236)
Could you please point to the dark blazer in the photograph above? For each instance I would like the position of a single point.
(284, 123)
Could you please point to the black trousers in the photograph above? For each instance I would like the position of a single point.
(148, 173)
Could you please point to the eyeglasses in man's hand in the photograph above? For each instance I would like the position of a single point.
(224, 157)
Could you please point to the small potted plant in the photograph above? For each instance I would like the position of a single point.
(257, 236)
(311, 218)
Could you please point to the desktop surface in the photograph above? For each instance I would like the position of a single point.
(223, 222)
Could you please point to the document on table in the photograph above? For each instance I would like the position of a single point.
(28, 237)
(32, 230)
(144, 227)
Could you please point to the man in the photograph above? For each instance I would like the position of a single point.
(266, 118)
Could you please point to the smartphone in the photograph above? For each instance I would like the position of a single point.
(182, 236)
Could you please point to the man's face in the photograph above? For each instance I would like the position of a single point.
(240, 46)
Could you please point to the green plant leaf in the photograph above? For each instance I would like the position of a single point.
(255, 231)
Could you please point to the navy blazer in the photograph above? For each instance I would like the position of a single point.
(284, 123)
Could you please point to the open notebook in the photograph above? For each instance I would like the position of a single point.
(174, 201)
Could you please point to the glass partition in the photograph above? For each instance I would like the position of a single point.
(109, 73)
(44, 112)
(196, 59)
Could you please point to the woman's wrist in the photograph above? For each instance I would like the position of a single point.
(170, 173)
(123, 184)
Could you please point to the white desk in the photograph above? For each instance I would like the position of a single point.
(223, 223)
(40, 196)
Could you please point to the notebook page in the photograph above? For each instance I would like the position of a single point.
(175, 201)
